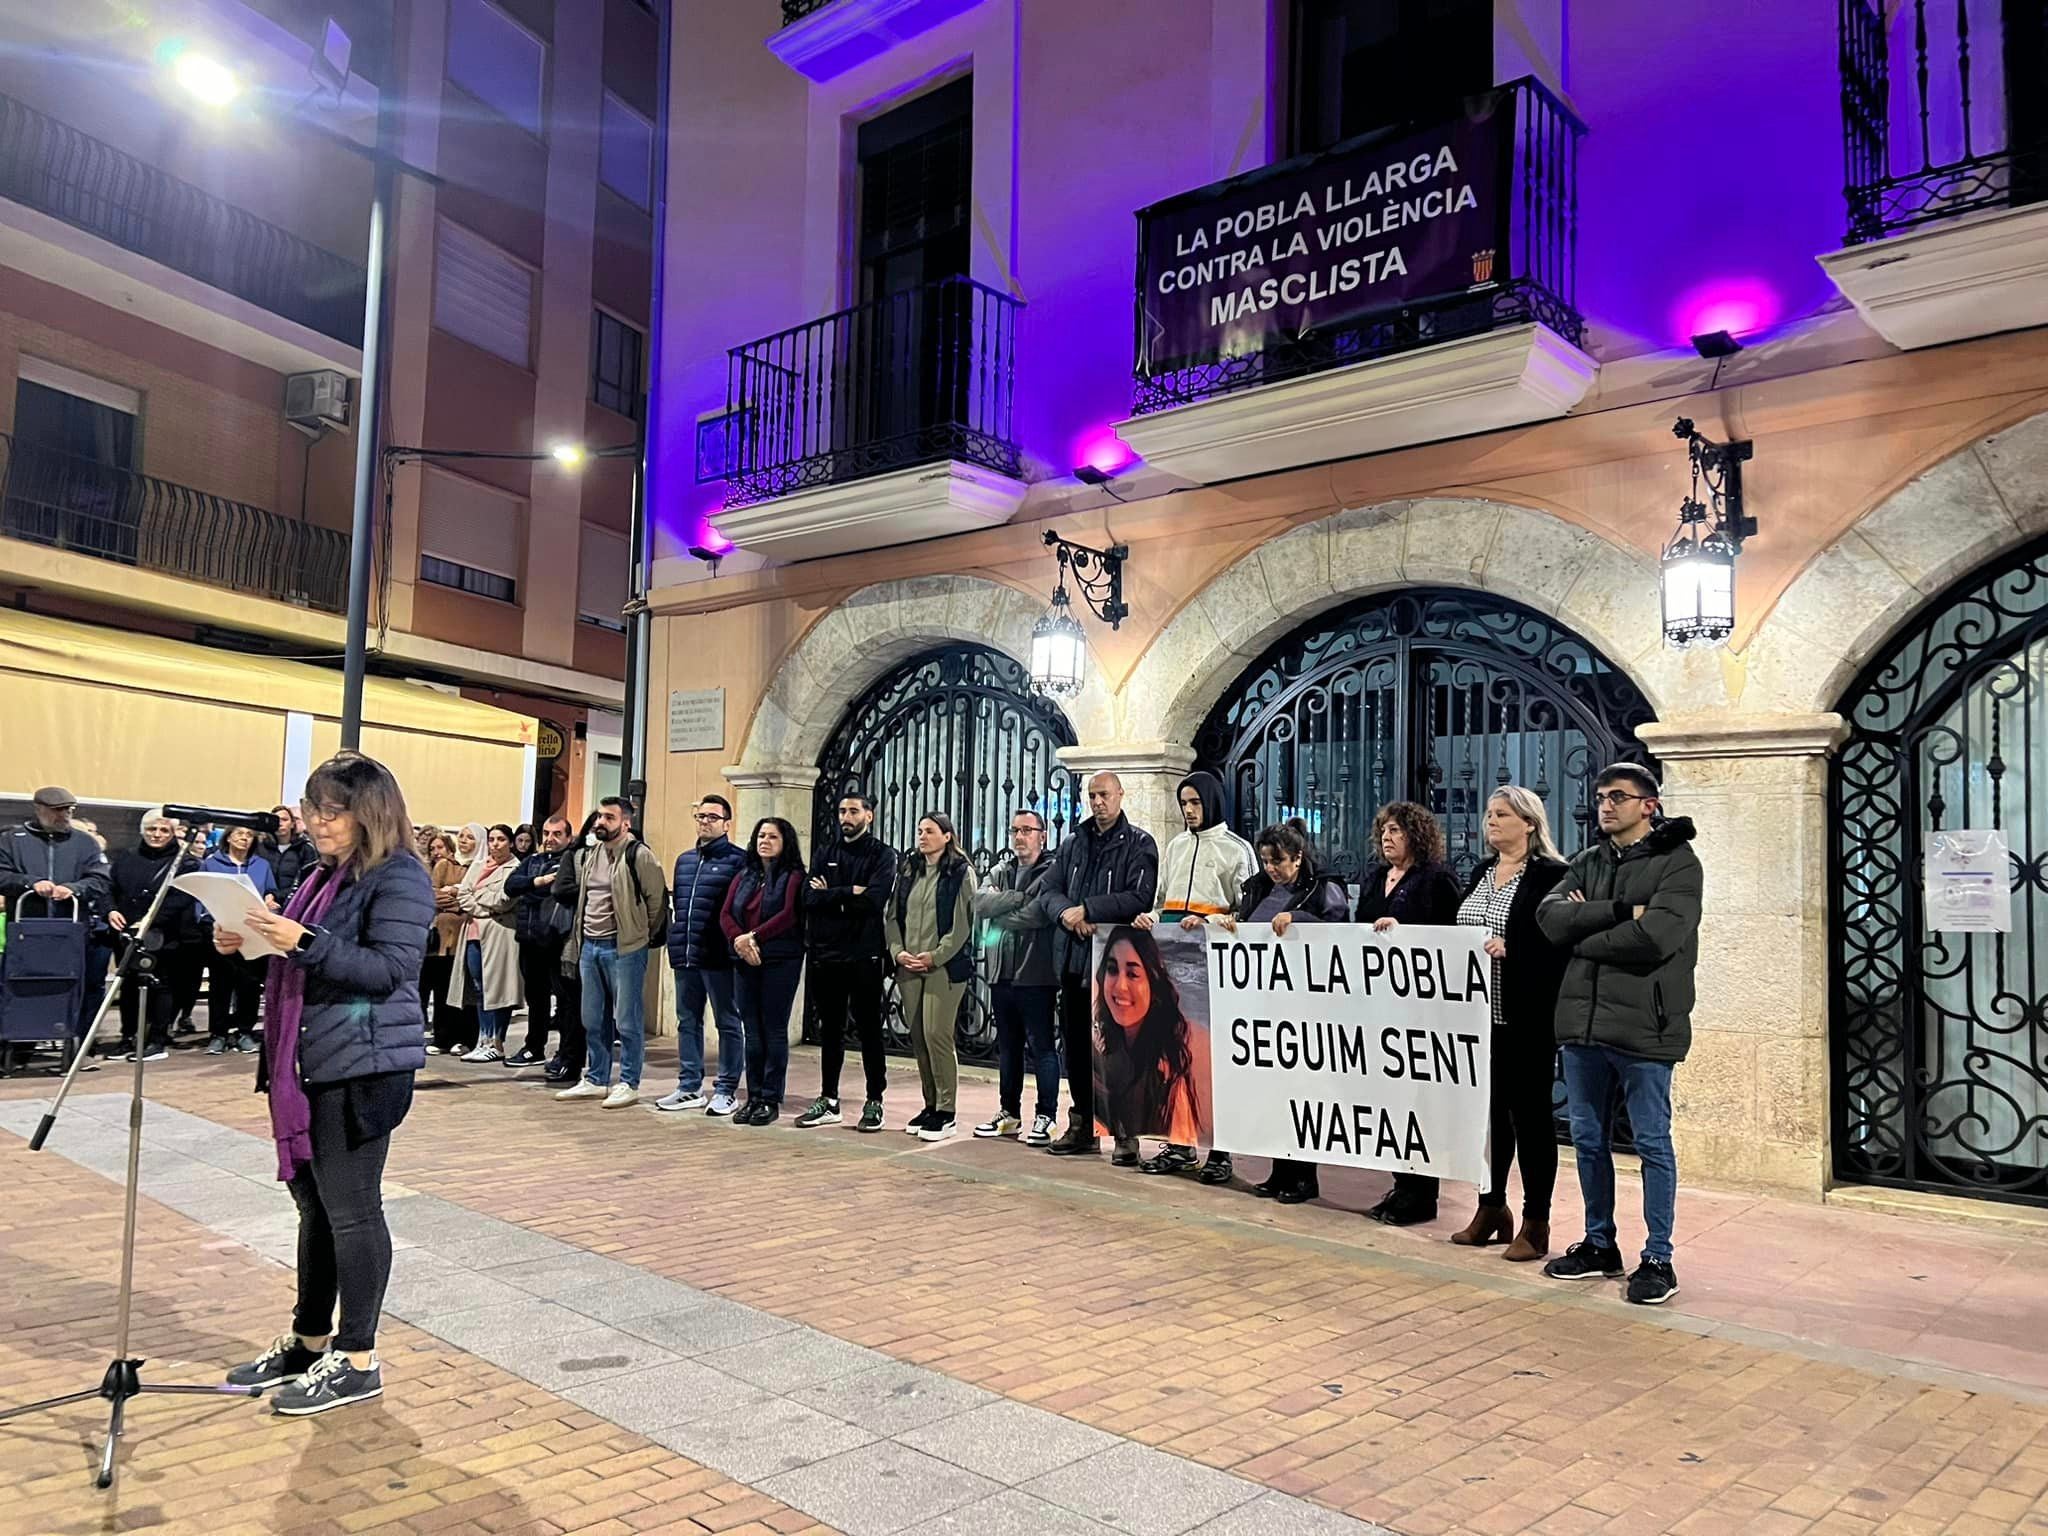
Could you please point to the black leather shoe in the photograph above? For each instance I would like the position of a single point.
(1395, 1211)
(1297, 1194)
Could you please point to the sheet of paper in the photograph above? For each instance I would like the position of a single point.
(229, 899)
(1968, 882)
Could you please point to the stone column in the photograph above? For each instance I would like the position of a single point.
(785, 790)
(1150, 771)
(1750, 1104)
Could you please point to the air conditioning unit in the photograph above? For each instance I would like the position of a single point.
(316, 399)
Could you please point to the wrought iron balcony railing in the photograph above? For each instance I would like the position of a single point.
(1964, 129)
(913, 378)
(115, 514)
(794, 11)
(55, 169)
(1529, 272)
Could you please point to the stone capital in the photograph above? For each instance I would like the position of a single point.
(1129, 757)
(797, 776)
(1725, 736)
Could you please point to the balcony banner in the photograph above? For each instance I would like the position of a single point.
(1332, 1043)
(1386, 220)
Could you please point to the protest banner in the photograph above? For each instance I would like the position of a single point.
(1336, 1044)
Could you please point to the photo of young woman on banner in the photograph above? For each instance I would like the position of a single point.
(1151, 1035)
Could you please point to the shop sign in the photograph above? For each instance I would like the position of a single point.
(550, 746)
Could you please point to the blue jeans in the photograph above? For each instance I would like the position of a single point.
(491, 1022)
(695, 986)
(1591, 1076)
(613, 998)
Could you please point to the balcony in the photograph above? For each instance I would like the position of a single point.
(1412, 285)
(824, 38)
(1946, 164)
(67, 184)
(883, 423)
(89, 508)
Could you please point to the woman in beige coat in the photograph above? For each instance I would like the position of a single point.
(488, 974)
(930, 922)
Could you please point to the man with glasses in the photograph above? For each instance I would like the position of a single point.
(1628, 911)
(702, 960)
(849, 892)
(50, 858)
(554, 997)
(1027, 985)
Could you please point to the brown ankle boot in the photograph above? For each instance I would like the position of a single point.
(1532, 1242)
(1490, 1224)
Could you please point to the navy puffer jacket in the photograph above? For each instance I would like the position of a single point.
(362, 1012)
(703, 876)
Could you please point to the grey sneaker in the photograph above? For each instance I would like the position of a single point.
(286, 1360)
(679, 1100)
(331, 1383)
(217, 1046)
(722, 1104)
(248, 1045)
(823, 1111)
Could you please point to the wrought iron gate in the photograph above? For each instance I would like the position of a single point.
(1433, 695)
(1940, 1040)
(955, 730)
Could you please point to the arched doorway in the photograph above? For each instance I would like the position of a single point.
(1940, 1039)
(1430, 694)
(955, 729)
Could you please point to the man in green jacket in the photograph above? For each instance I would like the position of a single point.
(1628, 910)
(618, 893)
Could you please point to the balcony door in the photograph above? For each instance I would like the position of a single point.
(911, 338)
(1360, 65)
(70, 474)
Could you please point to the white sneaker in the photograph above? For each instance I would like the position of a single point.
(722, 1104)
(680, 1100)
(488, 1053)
(621, 1095)
(1040, 1132)
(938, 1128)
(585, 1090)
(475, 1053)
(435, 1050)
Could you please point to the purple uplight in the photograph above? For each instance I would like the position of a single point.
(1100, 448)
(1737, 305)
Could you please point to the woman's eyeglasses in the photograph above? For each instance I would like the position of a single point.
(308, 811)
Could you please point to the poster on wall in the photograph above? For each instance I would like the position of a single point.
(1968, 882)
(1372, 224)
(1333, 1044)
(696, 720)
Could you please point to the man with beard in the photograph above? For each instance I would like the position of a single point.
(849, 957)
(1204, 871)
(619, 895)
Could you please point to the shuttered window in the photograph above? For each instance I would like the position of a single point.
(601, 578)
(625, 152)
(483, 295)
(466, 524)
(496, 60)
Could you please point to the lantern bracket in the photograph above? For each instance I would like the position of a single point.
(1099, 573)
(1719, 465)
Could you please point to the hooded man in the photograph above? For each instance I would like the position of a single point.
(1205, 867)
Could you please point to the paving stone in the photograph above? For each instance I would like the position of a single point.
(504, 1244)
(892, 1398)
(708, 1325)
(563, 1275)
(1275, 1514)
(677, 1392)
(1009, 1442)
(1011, 1513)
(568, 1359)
(878, 1489)
(755, 1442)
(476, 1328)
(801, 1357)
(1137, 1489)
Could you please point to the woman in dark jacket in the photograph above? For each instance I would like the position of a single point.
(763, 920)
(1411, 884)
(339, 1052)
(1288, 889)
(1527, 970)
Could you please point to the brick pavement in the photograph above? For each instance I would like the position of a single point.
(1398, 1389)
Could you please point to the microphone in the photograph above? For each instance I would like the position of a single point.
(264, 822)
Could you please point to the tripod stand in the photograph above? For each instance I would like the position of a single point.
(123, 1378)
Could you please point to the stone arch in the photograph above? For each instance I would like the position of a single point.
(871, 631)
(1607, 593)
(1967, 509)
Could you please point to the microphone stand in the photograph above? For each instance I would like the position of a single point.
(123, 1378)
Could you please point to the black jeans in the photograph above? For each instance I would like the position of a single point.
(764, 994)
(1024, 1024)
(849, 990)
(540, 972)
(1075, 1006)
(569, 1019)
(454, 1028)
(161, 1004)
(344, 1245)
(1523, 1072)
(236, 994)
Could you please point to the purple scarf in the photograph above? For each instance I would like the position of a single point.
(291, 1114)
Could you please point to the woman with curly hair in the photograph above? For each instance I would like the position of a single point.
(1411, 883)
(1151, 1067)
